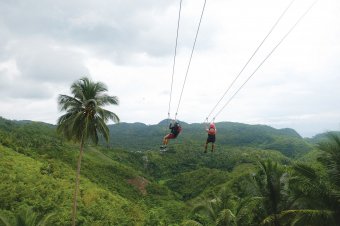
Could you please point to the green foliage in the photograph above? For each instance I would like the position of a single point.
(85, 116)
(26, 217)
(191, 184)
(85, 119)
(240, 184)
(145, 137)
(23, 184)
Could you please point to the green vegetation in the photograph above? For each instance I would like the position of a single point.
(85, 119)
(250, 183)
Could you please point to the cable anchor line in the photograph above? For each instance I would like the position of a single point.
(284, 37)
(175, 54)
(192, 52)
(252, 56)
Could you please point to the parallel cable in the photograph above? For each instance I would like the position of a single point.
(174, 61)
(192, 51)
(284, 37)
(270, 31)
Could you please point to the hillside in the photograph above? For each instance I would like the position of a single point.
(132, 182)
(141, 137)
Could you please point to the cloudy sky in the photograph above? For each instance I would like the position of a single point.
(129, 45)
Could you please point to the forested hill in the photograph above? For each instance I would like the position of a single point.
(180, 187)
(141, 137)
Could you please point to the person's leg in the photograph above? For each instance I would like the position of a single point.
(206, 147)
(167, 137)
(212, 147)
(165, 140)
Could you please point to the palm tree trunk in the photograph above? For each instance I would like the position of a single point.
(74, 209)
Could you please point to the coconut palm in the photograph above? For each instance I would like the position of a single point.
(330, 157)
(317, 201)
(26, 217)
(224, 209)
(271, 182)
(310, 199)
(85, 119)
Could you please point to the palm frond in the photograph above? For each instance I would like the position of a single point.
(191, 223)
(4, 221)
(106, 99)
(306, 171)
(45, 220)
(206, 209)
(331, 156)
(102, 128)
(308, 217)
(107, 115)
(226, 217)
(269, 220)
(65, 102)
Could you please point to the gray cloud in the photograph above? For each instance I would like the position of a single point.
(129, 44)
(35, 68)
(112, 28)
(43, 63)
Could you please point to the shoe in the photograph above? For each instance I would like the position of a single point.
(205, 151)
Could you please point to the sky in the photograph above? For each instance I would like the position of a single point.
(129, 45)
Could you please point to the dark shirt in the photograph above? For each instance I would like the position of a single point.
(174, 128)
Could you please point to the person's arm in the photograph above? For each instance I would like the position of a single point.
(172, 123)
(207, 126)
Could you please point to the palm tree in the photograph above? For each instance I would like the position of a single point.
(330, 157)
(310, 199)
(26, 217)
(272, 182)
(224, 208)
(85, 119)
(317, 201)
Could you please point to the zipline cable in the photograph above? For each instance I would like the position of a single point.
(174, 61)
(270, 31)
(284, 37)
(192, 52)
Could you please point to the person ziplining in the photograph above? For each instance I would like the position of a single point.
(175, 129)
(211, 137)
(169, 136)
(262, 62)
(212, 128)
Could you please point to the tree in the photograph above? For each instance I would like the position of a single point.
(224, 209)
(85, 119)
(26, 217)
(272, 183)
(317, 199)
(330, 157)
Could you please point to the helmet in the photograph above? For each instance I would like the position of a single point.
(212, 125)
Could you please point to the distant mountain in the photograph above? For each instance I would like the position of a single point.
(134, 183)
(4, 122)
(141, 137)
(320, 137)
